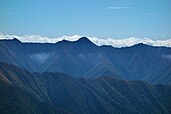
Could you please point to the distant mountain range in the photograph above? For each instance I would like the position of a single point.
(23, 92)
(82, 58)
(121, 42)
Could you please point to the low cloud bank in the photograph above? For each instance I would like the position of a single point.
(98, 41)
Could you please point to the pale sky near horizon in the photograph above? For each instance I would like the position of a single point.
(99, 18)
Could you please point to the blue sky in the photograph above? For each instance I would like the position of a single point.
(100, 18)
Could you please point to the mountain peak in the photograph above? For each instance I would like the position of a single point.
(15, 40)
(11, 40)
(141, 45)
(84, 40)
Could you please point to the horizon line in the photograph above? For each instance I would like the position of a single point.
(126, 42)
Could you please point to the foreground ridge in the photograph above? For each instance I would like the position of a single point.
(59, 93)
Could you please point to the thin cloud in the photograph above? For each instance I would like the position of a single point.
(7, 13)
(167, 56)
(152, 14)
(118, 7)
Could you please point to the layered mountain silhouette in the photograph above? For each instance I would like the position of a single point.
(82, 58)
(57, 93)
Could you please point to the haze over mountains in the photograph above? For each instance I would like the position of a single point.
(82, 58)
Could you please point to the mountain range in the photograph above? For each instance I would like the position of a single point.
(79, 77)
(84, 59)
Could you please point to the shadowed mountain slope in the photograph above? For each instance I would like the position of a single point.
(22, 91)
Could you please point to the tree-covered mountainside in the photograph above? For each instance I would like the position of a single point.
(24, 92)
(82, 58)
